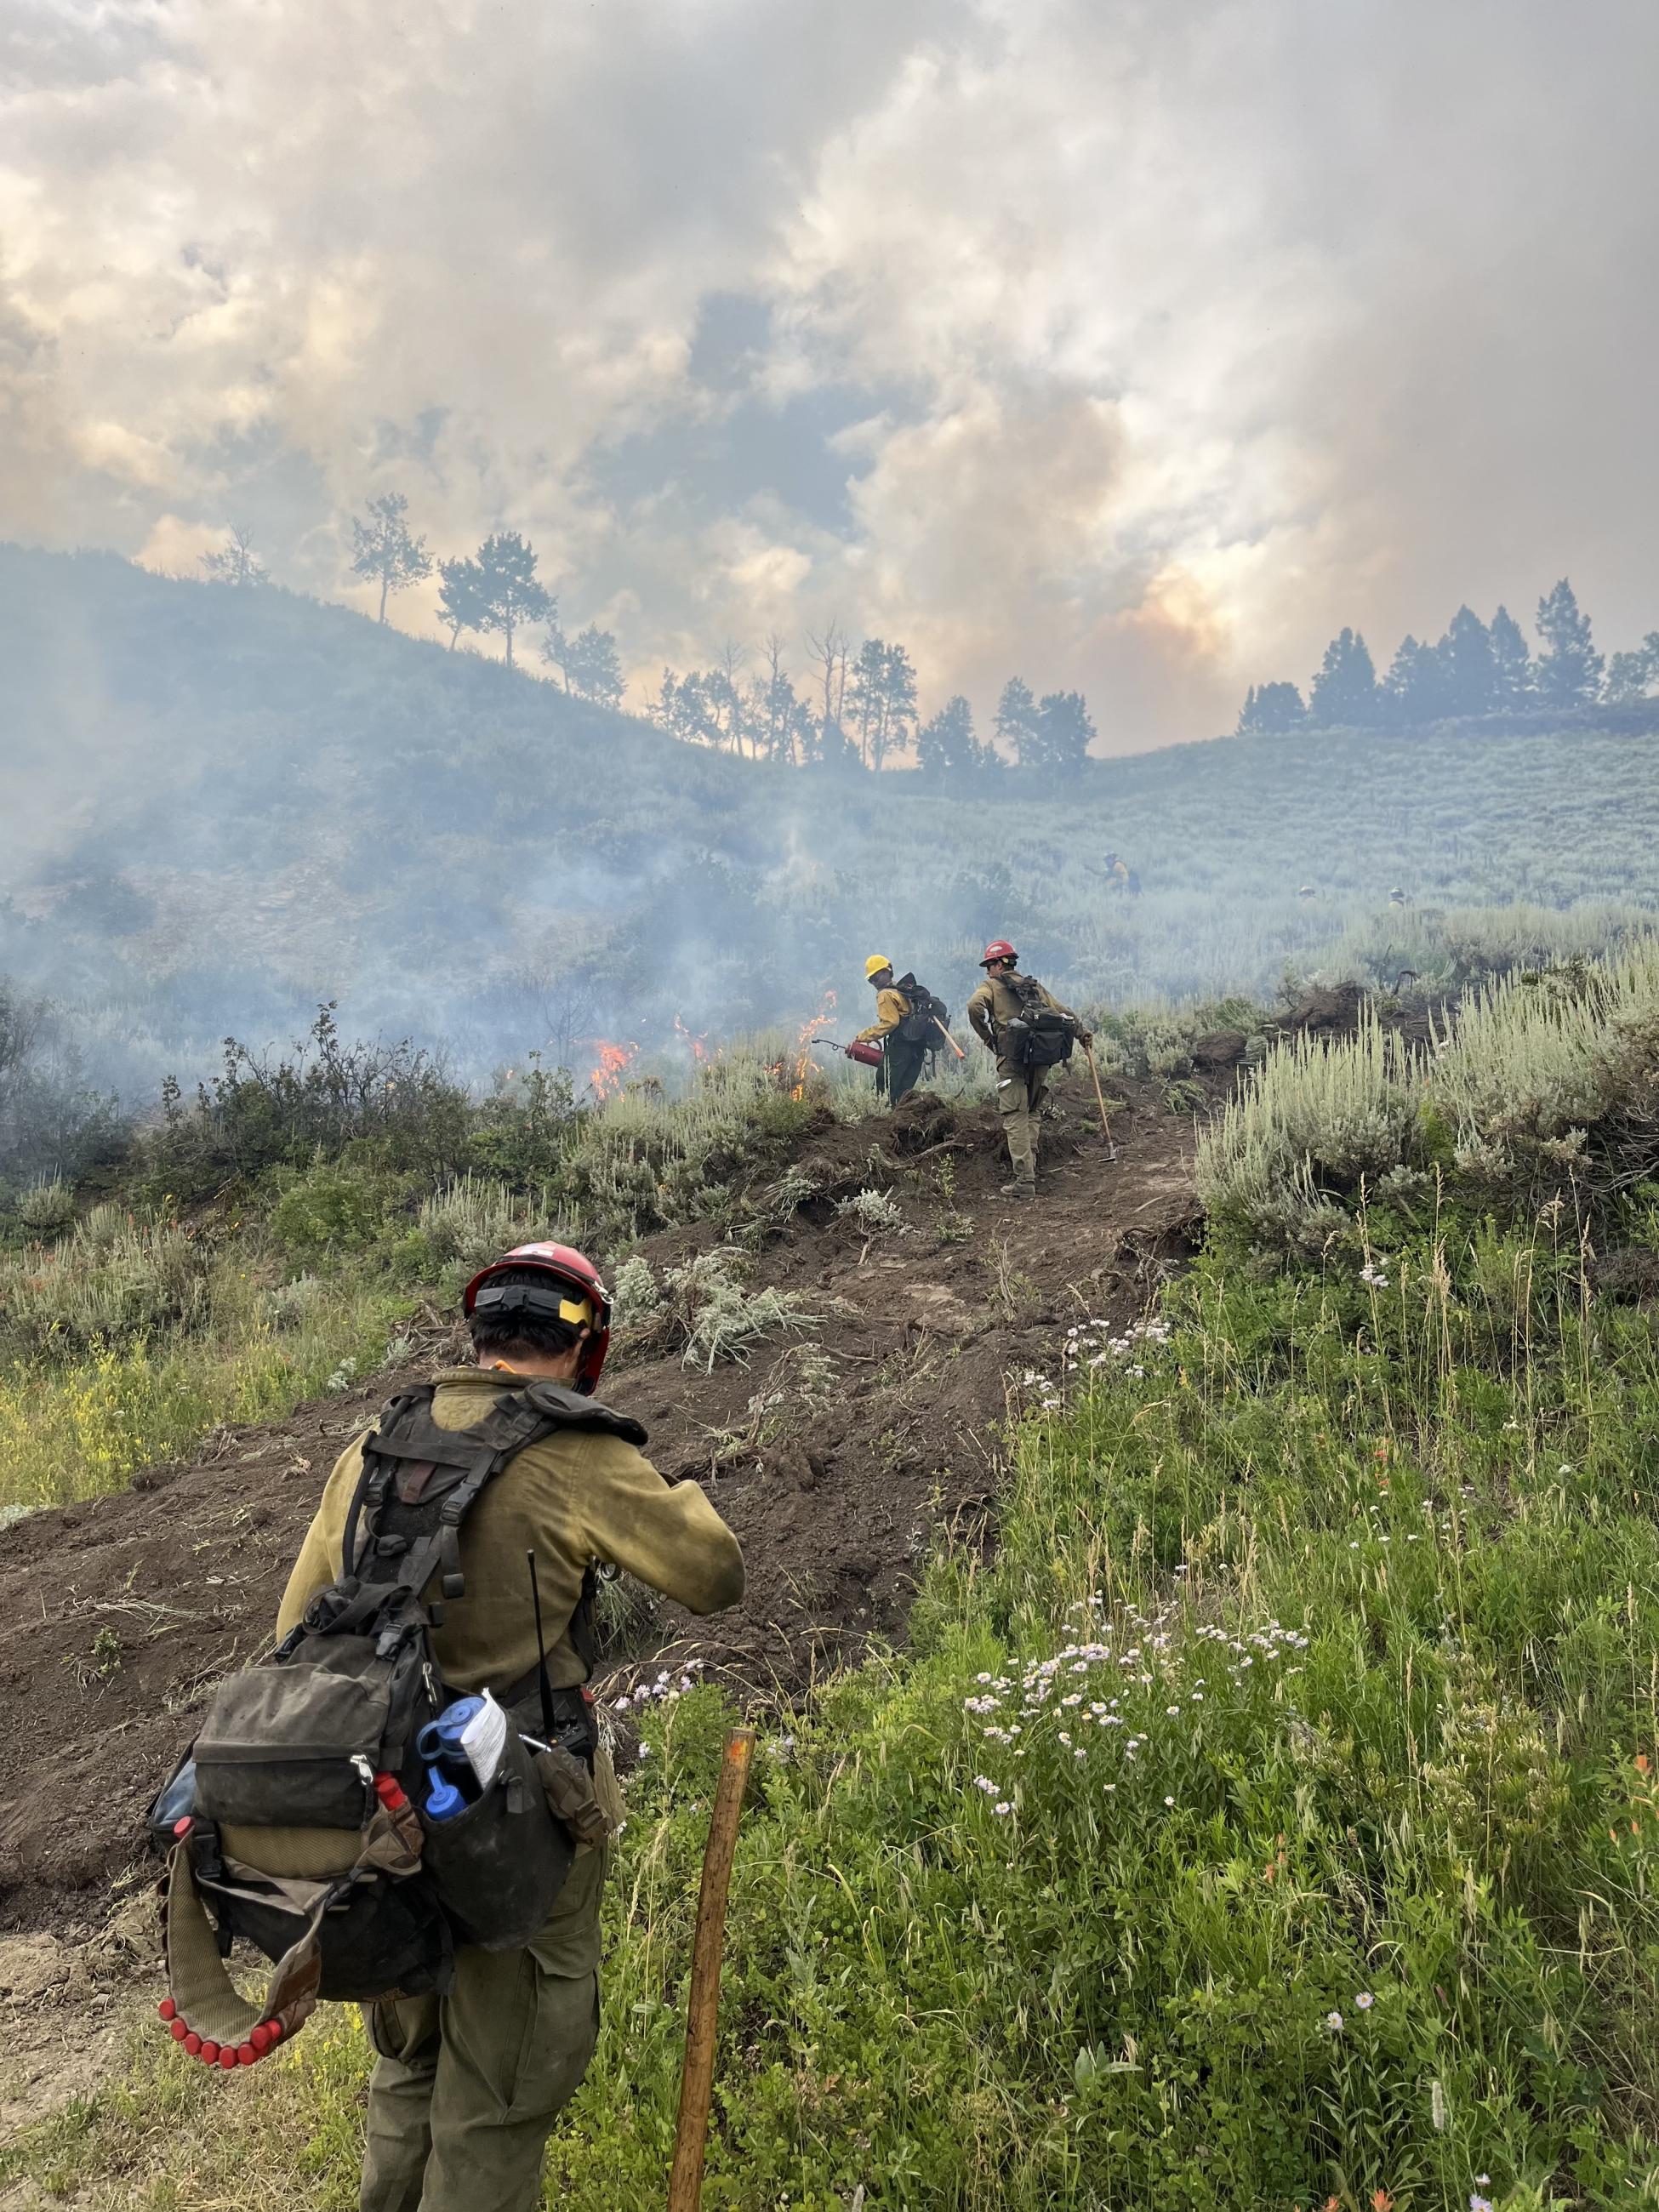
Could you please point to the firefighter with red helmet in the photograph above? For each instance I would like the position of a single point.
(467, 2086)
(1030, 1032)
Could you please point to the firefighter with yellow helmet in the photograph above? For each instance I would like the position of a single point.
(907, 1027)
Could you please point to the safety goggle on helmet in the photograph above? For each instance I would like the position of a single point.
(572, 1291)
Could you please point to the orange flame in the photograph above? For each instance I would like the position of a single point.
(823, 1019)
(699, 1045)
(605, 1081)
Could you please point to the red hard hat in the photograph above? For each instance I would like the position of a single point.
(998, 949)
(572, 1272)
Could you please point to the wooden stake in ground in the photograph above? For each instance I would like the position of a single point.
(1106, 1127)
(702, 2008)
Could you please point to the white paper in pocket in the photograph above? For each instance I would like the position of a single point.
(484, 1739)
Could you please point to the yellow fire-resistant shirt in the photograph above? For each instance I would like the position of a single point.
(576, 1497)
(891, 1007)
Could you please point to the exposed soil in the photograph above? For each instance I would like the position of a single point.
(117, 1615)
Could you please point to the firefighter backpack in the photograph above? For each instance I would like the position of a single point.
(299, 1821)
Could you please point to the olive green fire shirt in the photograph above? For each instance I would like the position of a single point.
(576, 1497)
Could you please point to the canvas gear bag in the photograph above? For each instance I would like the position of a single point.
(304, 1834)
(1040, 1036)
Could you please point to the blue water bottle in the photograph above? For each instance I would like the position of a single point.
(443, 1800)
(439, 1744)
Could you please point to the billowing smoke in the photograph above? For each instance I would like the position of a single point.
(1128, 348)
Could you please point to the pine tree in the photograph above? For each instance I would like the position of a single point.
(1633, 675)
(1015, 718)
(1271, 710)
(1468, 671)
(1569, 667)
(1414, 691)
(382, 547)
(1511, 662)
(898, 721)
(460, 597)
(509, 593)
(1064, 732)
(1344, 695)
(947, 745)
(866, 681)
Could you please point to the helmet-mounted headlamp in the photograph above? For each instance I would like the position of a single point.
(568, 1289)
(506, 1301)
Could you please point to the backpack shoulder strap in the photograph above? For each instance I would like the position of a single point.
(374, 1479)
(428, 1478)
(568, 1409)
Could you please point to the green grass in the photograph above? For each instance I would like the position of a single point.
(1366, 1567)
(1270, 1822)
(78, 1428)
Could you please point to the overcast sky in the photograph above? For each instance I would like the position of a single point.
(1135, 347)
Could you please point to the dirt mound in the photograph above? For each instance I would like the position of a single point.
(835, 1454)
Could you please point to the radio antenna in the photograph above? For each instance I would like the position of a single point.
(541, 1652)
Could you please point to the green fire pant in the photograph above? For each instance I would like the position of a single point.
(468, 2086)
(1019, 1095)
(902, 1068)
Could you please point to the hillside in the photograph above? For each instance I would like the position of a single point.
(240, 803)
(834, 1452)
(1257, 1808)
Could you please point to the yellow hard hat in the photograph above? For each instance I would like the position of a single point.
(875, 964)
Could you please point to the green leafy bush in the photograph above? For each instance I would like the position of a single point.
(330, 1208)
(394, 1102)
